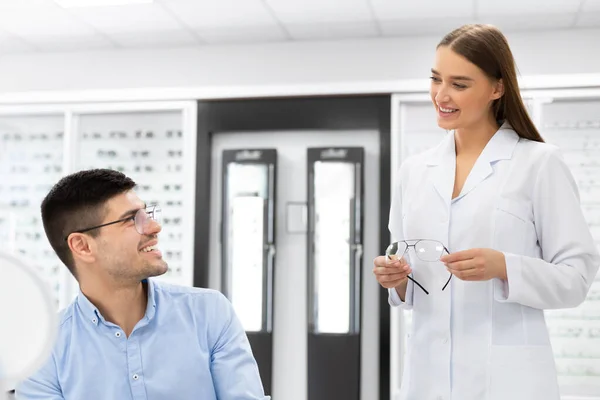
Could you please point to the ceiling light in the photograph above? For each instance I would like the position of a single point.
(98, 3)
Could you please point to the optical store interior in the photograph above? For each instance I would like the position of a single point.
(269, 141)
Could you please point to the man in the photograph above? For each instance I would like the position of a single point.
(126, 336)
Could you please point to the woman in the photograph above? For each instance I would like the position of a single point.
(505, 206)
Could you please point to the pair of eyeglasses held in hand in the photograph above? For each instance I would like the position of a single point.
(426, 250)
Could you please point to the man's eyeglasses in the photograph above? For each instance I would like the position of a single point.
(425, 249)
(141, 218)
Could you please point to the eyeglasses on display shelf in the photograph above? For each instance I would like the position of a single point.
(574, 127)
(147, 144)
(149, 148)
(31, 156)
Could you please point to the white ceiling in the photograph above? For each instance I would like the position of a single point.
(43, 26)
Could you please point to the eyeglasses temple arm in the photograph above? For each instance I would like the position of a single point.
(418, 284)
(447, 282)
(100, 226)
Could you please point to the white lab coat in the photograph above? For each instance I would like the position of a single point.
(488, 340)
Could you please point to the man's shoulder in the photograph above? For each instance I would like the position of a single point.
(65, 328)
(206, 308)
(191, 293)
(65, 316)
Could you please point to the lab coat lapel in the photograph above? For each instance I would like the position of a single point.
(500, 147)
(442, 165)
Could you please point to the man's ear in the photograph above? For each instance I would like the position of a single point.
(83, 247)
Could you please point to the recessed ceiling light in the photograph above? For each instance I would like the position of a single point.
(98, 3)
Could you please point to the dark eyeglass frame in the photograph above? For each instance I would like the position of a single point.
(388, 254)
(152, 210)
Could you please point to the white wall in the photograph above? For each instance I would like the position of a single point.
(545, 53)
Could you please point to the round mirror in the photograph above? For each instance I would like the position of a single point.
(28, 321)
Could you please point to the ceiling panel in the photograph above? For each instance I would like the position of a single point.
(523, 22)
(50, 43)
(200, 14)
(162, 38)
(24, 4)
(11, 44)
(333, 30)
(520, 7)
(242, 35)
(420, 26)
(591, 5)
(128, 18)
(320, 11)
(30, 25)
(396, 10)
(44, 19)
(590, 19)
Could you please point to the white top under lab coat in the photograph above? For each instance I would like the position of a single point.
(488, 340)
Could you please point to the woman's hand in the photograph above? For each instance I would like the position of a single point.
(390, 273)
(476, 264)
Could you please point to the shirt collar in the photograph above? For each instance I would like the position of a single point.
(151, 307)
(91, 312)
(500, 147)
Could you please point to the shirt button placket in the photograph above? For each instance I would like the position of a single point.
(134, 362)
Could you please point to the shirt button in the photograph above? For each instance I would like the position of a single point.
(118, 334)
(444, 341)
(135, 377)
(94, 320)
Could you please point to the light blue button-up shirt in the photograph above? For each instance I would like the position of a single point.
(189, 346)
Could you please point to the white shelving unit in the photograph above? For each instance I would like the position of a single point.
(31, 157)
(571, 120)
(154, 143)
(573, 124)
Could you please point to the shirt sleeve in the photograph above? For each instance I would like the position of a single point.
(396, 229)
(43, 385)
(570, 260)
(234, 370)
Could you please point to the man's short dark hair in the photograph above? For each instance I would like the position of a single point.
(78, 201)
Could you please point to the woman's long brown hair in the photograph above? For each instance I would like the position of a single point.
(486, 47)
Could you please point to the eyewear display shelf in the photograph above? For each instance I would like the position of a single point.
(151, 142)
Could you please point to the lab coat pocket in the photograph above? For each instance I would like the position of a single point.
(513, 227)
(522, 373)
